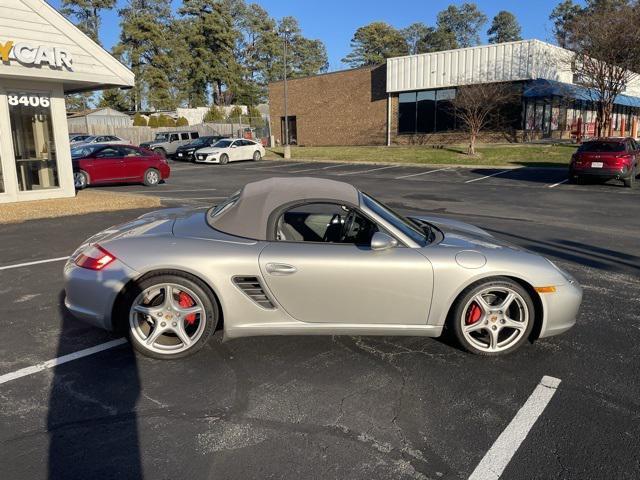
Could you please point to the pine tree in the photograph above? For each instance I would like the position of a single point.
(504, 28)
(561, 17)
(114, 98)
(464, 22)
(214, 115)
(374, 43)
(85, 14)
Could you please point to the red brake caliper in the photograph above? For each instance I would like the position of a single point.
(473, 314)
(185, 301)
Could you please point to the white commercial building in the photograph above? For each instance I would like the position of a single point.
(44, 57)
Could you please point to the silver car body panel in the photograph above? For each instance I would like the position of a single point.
(330, 288)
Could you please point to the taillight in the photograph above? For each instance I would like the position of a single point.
(94, 258)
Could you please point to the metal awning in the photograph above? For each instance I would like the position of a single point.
(548, 88)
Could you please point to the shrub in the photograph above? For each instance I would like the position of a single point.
(213, 115)
(182, 122)
(166, 121)
(139, 120)
(234, 113)
(153, 122)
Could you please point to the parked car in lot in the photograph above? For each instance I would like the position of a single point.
(230, 150)
(78, 137)
(186, 152)
(166, 143)
(103, 139)
(98, 164)
(310, 256)
(605, 159)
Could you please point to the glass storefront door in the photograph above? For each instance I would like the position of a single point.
(33, 142)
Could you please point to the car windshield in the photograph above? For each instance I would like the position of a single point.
(162, 137)
(201, 141)
(602, 147)
(85, 151)
(406, 226)
(223, 143)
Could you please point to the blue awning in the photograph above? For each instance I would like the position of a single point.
(548, 88)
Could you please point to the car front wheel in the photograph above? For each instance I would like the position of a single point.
(80, 180)
(224, 159)
(170, 316)
(493, 317)
(257, 156)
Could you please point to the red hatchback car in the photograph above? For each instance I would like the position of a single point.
(95, 164)
(605, 159)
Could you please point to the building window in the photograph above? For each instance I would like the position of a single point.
(293, 130)
(445, 116)
(33, 143)
(407, 112)
(426, 112)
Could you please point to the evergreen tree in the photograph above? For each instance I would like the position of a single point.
(561, 17)
(437, 40)
(414, 35)
(214, 115)
(464, 22)
(114, 98)
(153, 122)
(374, 43)
(504, 28)
(85, 14)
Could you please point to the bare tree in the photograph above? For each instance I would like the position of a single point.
(606, 50)
(478, 106)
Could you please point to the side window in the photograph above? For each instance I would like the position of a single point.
(235, 144)
(130, 152)
(325, 222)
(109, 152)
(184, 136)
(173, 137)
(195, 135)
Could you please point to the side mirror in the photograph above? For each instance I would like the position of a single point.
(234, 146)
(382, 241)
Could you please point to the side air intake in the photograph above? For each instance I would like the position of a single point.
(252, 287)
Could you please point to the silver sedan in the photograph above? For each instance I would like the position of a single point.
(307, 256)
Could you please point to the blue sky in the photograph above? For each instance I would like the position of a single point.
(335, 21)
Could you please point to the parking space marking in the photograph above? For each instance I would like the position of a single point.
(162, 191)
(368, 171)
(36, 262)
(23, 372)
(487, 176)
(336, 166)
(499, 455)
(280, 166)
(423, 173)
(559, 183)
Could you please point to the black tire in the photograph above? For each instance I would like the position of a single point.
(80, 179)
(257, 156)
(455, 321)
(224, 159)
(631, 181)
(160, 151)
(579, 180)
(152, 177)
(132, 291)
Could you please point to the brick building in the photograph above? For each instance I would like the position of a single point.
(408, 99)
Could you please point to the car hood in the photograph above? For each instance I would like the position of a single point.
(211, 150)
(464, 235)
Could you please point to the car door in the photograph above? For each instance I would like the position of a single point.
(106, 165)
(134, 163)
(319, 278)
(235, 151)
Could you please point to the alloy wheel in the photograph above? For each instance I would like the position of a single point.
(495, 319)
(167, 318)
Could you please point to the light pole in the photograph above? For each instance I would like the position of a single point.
(287, 147)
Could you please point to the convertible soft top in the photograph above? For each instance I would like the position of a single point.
(249, 215)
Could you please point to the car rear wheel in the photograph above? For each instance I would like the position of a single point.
(151, 177)
(494, 317)
(80, 179)
(170, 316)
(160, 151)
(631, 181)
(224, 159)
(257, 156)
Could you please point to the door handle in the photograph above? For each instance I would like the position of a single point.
(280, 269)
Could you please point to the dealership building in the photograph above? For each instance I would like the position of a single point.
(408, 99)
(44, 57)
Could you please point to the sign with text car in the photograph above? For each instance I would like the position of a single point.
(35, 55)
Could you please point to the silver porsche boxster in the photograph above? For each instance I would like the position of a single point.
(309, 256)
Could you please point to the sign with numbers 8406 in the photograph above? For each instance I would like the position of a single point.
(28, 100)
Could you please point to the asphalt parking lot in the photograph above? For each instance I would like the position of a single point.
(336, 407)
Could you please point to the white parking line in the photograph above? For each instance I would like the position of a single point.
(559, 183)
(280, 166)
(499, 455)
(23, 372)
(336, 166)
(424, 173)
(367, 171)
(487, 176)
(161, 191)
(36, 262)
